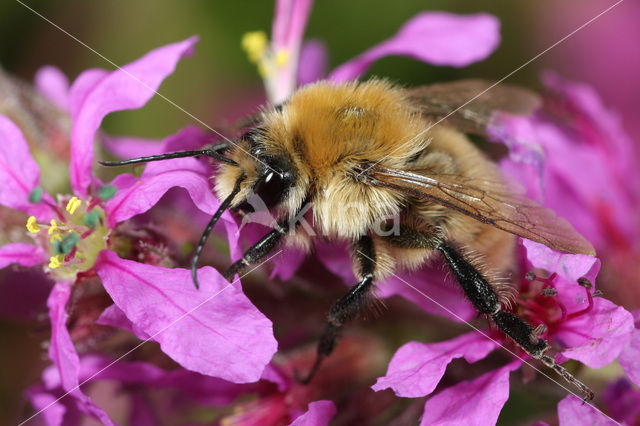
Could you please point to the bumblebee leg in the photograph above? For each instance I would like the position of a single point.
(486, 301)
(258, 251)
(348, 306)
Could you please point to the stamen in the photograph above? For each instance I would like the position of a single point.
(35, 196)
(255, 44)
(54, 226)
(106, 192)
(67, 243)
(549, 292)
(282, 57)
(91, 219)
(55, 262)
(55, 237)
(585, 310)
(32, 225)
(73, 205)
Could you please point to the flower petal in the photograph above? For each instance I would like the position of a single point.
(630, 358)
(131, 147)
(287, 263)
(136, 196)
(319, 413)
(113, 316)
(127, 88)
(438, 38)
(314, 62)
(416, 368)
(598, 337)
(47, 403)
(63, 353)
(434, 290)
(289, 22)
(54, 85)
(214, 330)
(475, 402)
(573, 412)
(571, 267)
(19, 173)
(22, 254)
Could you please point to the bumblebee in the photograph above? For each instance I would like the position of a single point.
(362, 152)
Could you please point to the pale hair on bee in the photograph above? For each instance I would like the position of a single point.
(362, 152)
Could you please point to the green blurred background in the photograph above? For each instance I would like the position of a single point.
(218, 82)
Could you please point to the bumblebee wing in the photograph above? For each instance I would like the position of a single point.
(473, 102)
(491, 202)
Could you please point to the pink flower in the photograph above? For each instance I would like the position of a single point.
(599, 189)
(437, 38)
(199, 329)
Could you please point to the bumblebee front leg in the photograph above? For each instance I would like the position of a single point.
(348, 306)
(258, 251)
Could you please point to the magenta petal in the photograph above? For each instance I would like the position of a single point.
(314, 62)
(63, 353)
(19, 173)
(130, 147)
(54, 85)
(433, 289)
(287, 263)
(568, 266)
(127, 88)
(416, 368)
(53, 410)
(597, 338)
(22, 254)
(319, 413)
(475, 402)
(418, 287)
(573, 412)
(136, 196)
(214, 331)
(289, 22)
(113, 316)
(630, 358)
(437, 38)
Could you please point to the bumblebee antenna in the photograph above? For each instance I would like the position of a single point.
(205, 235)
(214, 152)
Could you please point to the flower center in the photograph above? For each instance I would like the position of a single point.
(75, 240)
(539, 304)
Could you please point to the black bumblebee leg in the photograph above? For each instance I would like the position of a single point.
(348, 306)
(486, 301)
(258, 251)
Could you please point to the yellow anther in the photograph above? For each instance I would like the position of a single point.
(255, 44)
(54, 226)
(73, 205)
(282, 57)
(264, 70)
(55, 237)
(32, 226)
(55, 262)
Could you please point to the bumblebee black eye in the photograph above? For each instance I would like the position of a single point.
(270, 188)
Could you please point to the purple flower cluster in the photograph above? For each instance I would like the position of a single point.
(572, 156)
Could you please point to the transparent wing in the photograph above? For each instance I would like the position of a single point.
(436, 101)
(491, 202)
